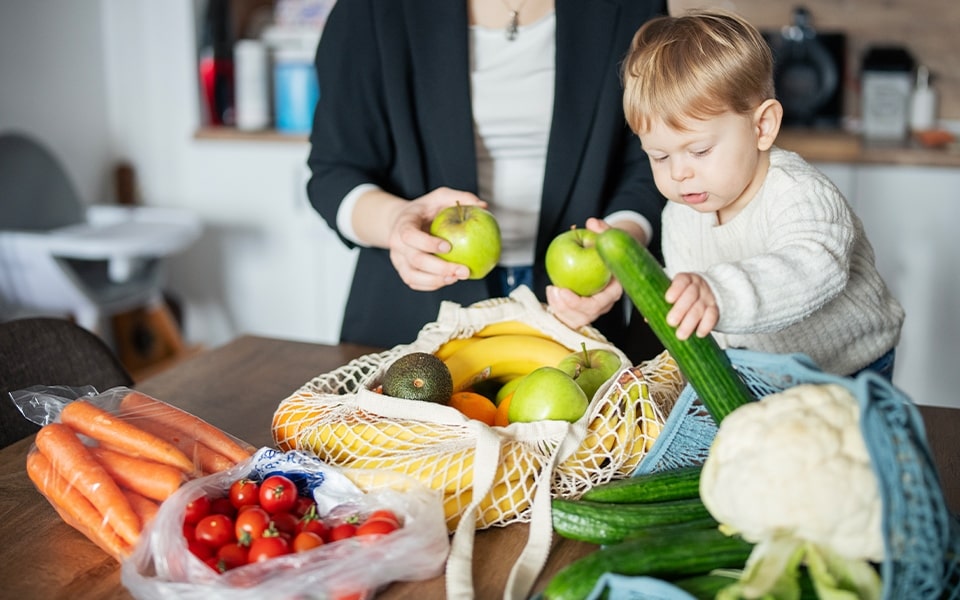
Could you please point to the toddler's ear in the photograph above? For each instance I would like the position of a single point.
(767, 119)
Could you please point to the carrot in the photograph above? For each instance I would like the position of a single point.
(206, 461)
(145, 508)
(72, 506)
(136, 403)
(75, 463)
(151, 479)
(118, 434)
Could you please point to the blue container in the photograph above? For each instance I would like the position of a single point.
(295, 91)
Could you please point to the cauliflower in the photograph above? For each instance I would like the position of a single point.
(791, 474)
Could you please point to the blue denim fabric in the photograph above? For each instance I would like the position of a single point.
(507, 279)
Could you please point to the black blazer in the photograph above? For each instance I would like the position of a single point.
(395, 110)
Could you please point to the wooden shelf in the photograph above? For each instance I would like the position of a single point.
(233, 134)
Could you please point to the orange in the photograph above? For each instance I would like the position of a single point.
(502, 420)
(474, 406)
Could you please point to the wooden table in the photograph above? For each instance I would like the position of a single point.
(237, 387)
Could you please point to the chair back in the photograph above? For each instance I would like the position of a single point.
(50, 351)
(35, 192)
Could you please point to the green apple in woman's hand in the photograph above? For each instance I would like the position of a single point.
(474, 237)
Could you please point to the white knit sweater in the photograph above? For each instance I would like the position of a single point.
(793, 272)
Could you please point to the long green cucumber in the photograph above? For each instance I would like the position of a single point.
(605, 523)
(683, 553)
(701, 360)
(674, 484)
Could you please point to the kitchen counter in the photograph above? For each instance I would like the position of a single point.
(838, 146)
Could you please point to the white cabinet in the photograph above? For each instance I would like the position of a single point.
(911, 215)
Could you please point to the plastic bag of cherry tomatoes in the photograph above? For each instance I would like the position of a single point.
(287, 525)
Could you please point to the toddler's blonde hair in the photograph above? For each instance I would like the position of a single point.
(698, 65)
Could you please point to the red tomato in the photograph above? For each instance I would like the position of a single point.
(196, 510)
(251, 523)
(244, 492)
(231, 556)
(384, 513)
(343, 531)
(278, 494)
(285, 522)
(215, 531)
(304, 505)
(265, 548)
(199, 549)
(222, 506)
(313, 525)
(306, 540)
(375, 526)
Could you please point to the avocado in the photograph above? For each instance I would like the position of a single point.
(418, 376)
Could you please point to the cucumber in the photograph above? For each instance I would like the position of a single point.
(682, 553)
(708, 585)
(701, 360)
(675, 484)
(606, 523)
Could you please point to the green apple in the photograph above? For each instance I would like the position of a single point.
(590, 368)
(573, 262)
(474, 237)
(506, 389)
(547, 393)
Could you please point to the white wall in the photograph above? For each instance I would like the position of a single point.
(104, 80)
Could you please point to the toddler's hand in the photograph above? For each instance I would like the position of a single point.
(694, 306)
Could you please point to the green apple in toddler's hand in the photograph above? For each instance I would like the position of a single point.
(590, 368)
(474, 237)
(547, 393)
(573, 262)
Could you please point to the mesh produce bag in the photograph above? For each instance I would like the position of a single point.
(488, 476)
(921, 537)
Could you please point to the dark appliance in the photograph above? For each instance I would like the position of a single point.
(809, 71)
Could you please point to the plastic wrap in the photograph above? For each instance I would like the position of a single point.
(162, 567)
(105, 461)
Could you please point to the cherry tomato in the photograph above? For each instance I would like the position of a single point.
(304, 505)
(342, 532)
(244, 492)
(306, 540)
(222, 506)
(231, 556)
(313, 525)
(199, 549)
(278, 493)
(285, 522)
(215, 531)
(196, 510)
(375, 526)
(251, 523)
(267, 547)
(384, 513)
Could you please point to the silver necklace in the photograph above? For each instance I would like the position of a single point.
(513, 25)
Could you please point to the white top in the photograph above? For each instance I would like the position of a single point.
(793, 272)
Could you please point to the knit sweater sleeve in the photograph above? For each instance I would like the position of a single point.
(785, 256)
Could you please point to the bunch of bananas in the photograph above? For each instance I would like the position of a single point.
(500, 352)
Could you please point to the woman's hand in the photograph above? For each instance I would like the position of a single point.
(577, 311)
(694, 306)
(412, 249)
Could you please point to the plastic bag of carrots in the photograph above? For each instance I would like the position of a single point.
(162, 566)
(106, 461)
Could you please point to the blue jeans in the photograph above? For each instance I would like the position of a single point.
(882, 366)
(504, 280)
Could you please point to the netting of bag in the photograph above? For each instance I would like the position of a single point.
(327, 417)
(922, 538)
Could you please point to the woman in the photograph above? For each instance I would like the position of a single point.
(425, 103)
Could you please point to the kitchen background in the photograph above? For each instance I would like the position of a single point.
(105, 81)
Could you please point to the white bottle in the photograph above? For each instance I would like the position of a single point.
(252, 85)
(923, 103)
